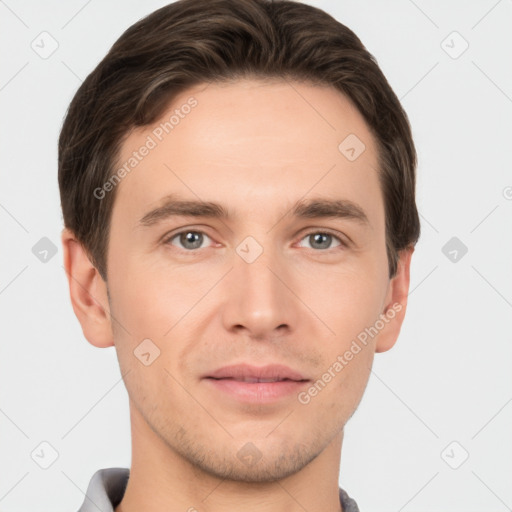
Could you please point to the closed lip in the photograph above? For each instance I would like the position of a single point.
(250, 373)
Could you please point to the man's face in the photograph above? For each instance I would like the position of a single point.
(261, 287)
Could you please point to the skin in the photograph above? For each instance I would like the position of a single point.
(255, 147)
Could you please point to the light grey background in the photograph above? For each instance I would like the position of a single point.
(448, 379)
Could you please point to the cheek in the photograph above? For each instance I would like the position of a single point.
(347, 300)
(150, 300)
(159, 304)
(337, 392)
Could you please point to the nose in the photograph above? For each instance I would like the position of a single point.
(259, 298)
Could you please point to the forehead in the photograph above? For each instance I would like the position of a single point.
(250, 143)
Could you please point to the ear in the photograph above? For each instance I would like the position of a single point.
(395, 303)
(88, 292)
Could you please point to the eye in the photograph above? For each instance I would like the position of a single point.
(323, 240)
(189, 239)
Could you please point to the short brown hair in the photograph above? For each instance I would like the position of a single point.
(190, 42)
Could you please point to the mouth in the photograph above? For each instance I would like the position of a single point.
(249, 373)
(256, 380)
(262, 385)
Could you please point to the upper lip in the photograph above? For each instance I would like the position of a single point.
(246, 372)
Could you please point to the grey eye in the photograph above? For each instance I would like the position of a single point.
(189, 240)
(321, 240)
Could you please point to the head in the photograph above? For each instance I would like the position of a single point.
(237, 181)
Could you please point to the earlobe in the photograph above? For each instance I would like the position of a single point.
(396, 303)
(88, 292)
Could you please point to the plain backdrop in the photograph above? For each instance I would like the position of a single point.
(433, 431)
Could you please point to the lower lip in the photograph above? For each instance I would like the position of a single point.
(257, 392)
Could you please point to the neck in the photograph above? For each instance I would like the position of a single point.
(162, 479)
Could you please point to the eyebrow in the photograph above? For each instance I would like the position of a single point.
(315, 208)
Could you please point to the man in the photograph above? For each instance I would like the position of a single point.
(238, 187)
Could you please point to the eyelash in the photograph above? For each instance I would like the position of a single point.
(343, 244)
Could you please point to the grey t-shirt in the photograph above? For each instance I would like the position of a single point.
(107, 486)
